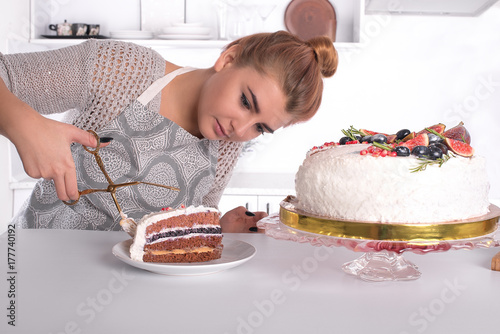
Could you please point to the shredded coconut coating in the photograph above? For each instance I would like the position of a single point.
(95, 81)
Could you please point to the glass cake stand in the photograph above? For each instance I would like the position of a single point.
(383, 244)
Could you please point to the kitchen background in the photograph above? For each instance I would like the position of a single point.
(403, 64)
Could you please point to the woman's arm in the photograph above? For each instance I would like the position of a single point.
(80, 77)
(43, 144)
(51, 81)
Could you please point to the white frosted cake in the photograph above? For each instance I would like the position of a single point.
(343, 182)
(191, 234)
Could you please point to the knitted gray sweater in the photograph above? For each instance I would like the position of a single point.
(93, 82)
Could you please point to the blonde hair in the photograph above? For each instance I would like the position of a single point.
(298, 66)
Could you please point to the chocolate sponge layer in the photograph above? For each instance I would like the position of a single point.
(203, 218)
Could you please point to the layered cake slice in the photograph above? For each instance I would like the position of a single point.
(191, 234)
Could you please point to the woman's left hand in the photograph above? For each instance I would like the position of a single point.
(240, 220)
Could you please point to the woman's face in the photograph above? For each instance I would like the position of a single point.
(239, 104)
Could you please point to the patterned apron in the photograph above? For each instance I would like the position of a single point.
(146, 147)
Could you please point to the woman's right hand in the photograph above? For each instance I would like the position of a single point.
(45, 152)
(42, 143)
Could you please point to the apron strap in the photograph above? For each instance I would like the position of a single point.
(159, 84)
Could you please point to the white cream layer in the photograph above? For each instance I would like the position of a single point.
(339, 182)
(137, 247)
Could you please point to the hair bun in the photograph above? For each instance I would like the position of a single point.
(325, 54)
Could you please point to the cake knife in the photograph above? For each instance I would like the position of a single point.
(127, 224)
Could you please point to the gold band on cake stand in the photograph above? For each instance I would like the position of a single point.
(383, 244)
(419, 233)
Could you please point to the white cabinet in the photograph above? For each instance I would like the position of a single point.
(257, 191)
(229, 202)
(270, 203)
(46, 12)
(265, 203)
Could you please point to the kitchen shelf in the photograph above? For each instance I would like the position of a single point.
(214, 44)
(163, 43)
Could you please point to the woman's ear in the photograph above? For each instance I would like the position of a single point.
(226, 58)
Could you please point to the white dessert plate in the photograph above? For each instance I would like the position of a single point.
(185, 36)
(234, 253)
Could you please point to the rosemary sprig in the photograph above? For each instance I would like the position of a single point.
(436, 133)
(441, 136)
(382, 146)
(349, 134)
(352, 132)
(424, 162)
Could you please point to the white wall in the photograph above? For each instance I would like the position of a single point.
(412, 72)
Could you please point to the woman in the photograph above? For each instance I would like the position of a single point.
(174, 126)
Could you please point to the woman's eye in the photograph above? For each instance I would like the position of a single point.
(244, 101)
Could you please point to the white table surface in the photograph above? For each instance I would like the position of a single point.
(70, 282)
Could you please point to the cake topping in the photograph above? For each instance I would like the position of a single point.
(459, 147)
(402, 151)
(425, 162)
(437, 128)
(431, 145)
(402, 134)
(420, 140)
(458, 132)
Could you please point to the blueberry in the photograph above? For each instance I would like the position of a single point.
(379, 138)
(344, 140)
(368, 139)
(402, 133)
(435, 153)
(420, 151)
(433, 138)
(402, 151)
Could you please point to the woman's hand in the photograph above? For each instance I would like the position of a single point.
(45, 153)
(240, 220)
(43, 144)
